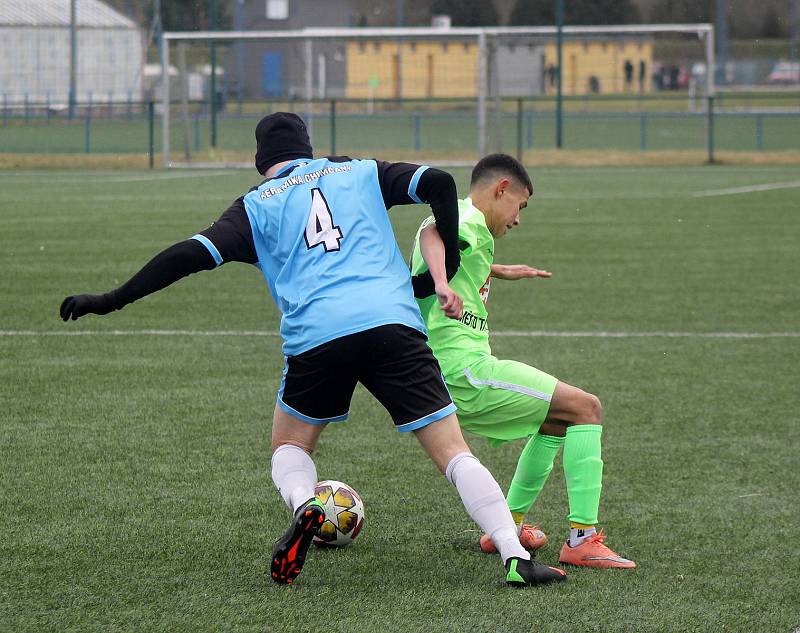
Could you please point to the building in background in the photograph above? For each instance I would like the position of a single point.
(35, 53)
(277, 69)
(609, 65)
(384, 69)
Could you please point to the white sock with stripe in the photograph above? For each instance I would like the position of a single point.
(294, 475)
(579, 535)
(486, 504)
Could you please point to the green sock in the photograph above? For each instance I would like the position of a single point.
(533, 467)
(583, 470)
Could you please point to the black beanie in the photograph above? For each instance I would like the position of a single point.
(281, 136)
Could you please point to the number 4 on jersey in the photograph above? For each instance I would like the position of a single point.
(320, 228)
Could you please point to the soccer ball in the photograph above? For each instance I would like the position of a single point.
(344, 514)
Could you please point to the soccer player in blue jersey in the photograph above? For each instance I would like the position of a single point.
(319, 231)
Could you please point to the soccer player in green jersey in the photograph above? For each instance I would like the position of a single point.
(504, 400)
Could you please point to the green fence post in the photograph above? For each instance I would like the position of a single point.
(212, 18)
(151, 133)
(760, 132)
(643, 131)
(530, 130)
(87, 129)
(710, 131)
(333, 127)
(560, 75)
(519, 130)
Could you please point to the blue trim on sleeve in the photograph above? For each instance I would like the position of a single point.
(428, 419)
(210, 246)
(412, 186)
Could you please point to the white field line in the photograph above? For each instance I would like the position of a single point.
(506, 333)
(104, 177)
(750, 189)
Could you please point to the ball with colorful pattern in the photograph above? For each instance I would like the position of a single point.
(344, 514)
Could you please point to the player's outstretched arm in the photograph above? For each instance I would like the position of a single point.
(172, 264)
(432, 248)
(513, 272)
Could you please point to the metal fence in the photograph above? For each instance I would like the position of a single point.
(440, 130)
(446, 95)
(483, 65)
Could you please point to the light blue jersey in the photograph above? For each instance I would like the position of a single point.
(327, 250)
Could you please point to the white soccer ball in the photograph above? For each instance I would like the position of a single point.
(344, 514)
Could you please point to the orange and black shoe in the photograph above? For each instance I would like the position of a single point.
(528, 573)
(290, 550)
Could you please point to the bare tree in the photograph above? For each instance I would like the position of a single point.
(504, 9)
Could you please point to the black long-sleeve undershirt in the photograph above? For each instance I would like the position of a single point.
(176, 262)
(438, 189)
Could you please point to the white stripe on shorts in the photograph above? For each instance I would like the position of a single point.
(497, 384)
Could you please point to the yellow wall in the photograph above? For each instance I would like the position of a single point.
(604, 59)
(435, 69)
(429, 69)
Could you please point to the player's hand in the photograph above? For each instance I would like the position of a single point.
(451, 303)
(76, 306)
(512, 272)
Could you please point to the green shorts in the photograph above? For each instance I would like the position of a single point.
(501, 400)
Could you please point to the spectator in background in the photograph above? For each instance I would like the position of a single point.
(642, 74)
(552, 72)
(628, 74)
(674, 73)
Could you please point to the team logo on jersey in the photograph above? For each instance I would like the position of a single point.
(474, 321)
(484, 291)
(293, 181)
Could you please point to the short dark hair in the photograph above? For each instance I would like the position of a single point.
(496, 165)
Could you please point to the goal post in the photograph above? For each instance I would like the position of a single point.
(407, 92)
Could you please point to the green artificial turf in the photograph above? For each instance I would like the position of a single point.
(134, 457)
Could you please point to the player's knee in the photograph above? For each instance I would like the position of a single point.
(594, 409)
(590, 410)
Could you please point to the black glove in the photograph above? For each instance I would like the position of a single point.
(79, 305)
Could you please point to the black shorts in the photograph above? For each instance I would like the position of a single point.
(393, 362)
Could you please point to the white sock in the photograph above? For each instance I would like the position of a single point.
(294, 474)
(578, 535)
(486, 504)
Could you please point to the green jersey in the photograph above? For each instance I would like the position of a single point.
(452, 341)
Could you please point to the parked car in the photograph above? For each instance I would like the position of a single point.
(785, 73)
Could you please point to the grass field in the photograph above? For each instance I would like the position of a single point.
(134, 447)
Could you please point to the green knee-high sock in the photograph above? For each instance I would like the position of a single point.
(583, 470)
(533, 467)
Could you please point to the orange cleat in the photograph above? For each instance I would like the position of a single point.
(530, 536)
(593, 553)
